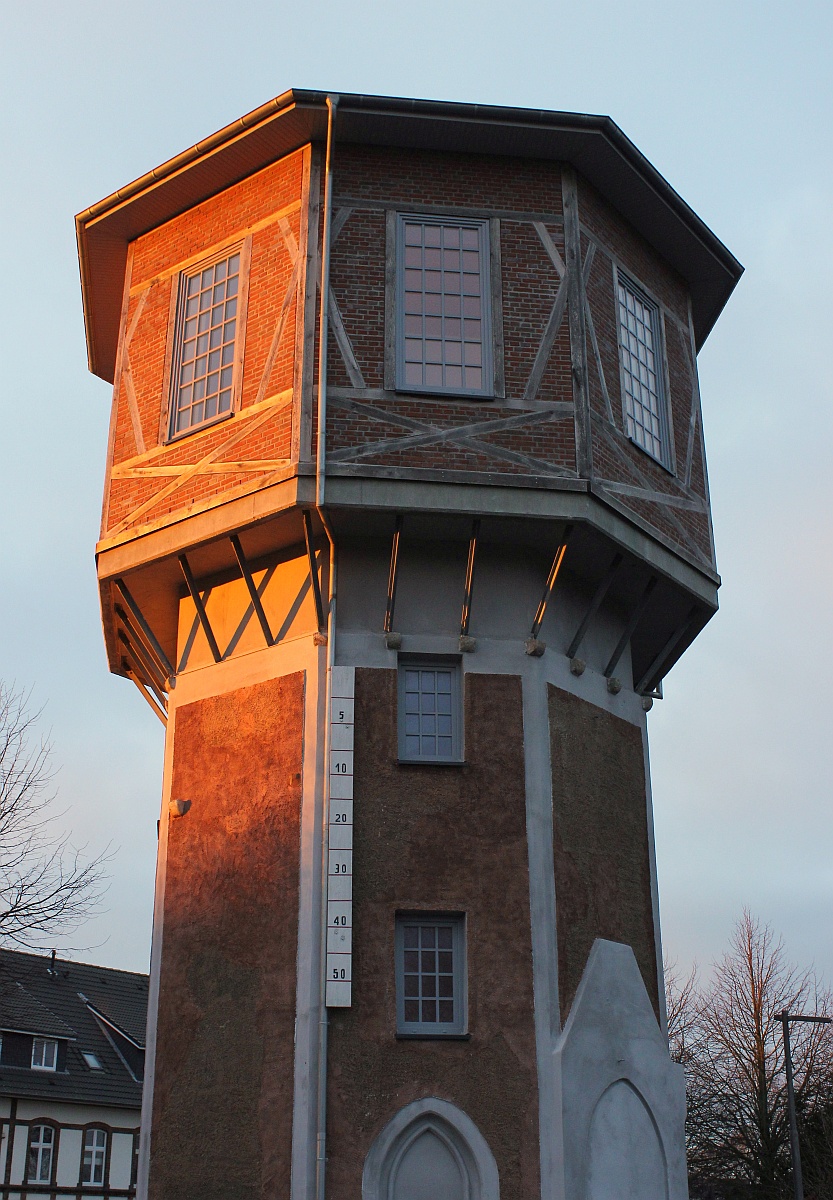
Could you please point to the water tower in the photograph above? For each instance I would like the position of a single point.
(403, 594)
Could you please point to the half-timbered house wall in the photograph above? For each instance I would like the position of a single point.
(151, 476)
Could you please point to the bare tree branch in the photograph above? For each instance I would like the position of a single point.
(47, 886)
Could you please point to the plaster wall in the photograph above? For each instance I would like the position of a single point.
(223, 1099)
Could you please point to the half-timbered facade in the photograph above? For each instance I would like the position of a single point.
(72, 1039)
(403, 595)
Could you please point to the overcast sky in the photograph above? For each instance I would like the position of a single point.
(733, 102)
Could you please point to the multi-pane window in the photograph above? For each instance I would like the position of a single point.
(646, 415)
(430, 975)
(44, 1054)
(94, 1156)
(206, 334)
(444, 331)
(41, 1154)
(429, 711)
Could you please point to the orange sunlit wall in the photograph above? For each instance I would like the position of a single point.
(149, 479)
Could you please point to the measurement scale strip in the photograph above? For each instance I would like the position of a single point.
(340, 855)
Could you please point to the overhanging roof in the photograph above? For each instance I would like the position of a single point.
(595, 145)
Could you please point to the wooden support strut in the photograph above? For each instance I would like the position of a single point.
(655, 671)
(131, 674)
(393, 573)
(633, 621)
(137, 673)
(313, 570)
(550, 584)
(140, 659)
(466, 613)
(141, 645)
(595, 604)
(254, 596)
(200, 607)
(145, 628)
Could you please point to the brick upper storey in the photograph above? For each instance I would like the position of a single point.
(568, 208)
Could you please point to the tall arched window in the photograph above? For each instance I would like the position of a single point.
(430, 1151)
(94, 1155)
(43, 1145)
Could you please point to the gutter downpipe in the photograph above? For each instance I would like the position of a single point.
(320, 478)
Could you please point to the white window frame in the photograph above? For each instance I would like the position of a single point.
(39, 1062)
(458, 1027)
(176, 338)
(41, 1148)
(454, 666)
(487, 391)
(666, 456)
(94, 1156)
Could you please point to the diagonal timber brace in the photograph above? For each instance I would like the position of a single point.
(254, 595)
(313, 571)
(633, 621)
(200, 607)
(550, 584)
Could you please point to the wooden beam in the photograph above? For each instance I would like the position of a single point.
(550, 584)
(141, 664)
(657, 668)
(595, 604)
(547, 342)
(254, 595)
(145, 628)
(138, 639)
(393, 573)
(467, 594)
(131, 674)
(343, 341)
(313, 570)
(575, 313)
(633, 621)
(200, 607)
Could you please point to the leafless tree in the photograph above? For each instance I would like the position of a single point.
(47, 887)
(729, 1040)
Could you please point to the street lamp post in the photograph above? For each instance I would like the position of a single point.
(785, 1017)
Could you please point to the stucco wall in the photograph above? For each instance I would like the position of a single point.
(223, 1090)
(442, 839)
(600, 840)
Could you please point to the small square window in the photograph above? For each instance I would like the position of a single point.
(430, 975)
(206, 356)
(444, 331)
(44, 1054)
(643, 386)
(92, 1060)
(429, 711)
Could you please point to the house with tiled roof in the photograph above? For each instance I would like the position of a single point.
(72, 1048)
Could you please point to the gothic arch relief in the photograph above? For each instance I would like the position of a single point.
(626, 1158)
(430, 1150)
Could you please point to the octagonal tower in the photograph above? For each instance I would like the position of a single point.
(403, 596)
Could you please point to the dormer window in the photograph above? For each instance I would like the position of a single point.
(44, 1054)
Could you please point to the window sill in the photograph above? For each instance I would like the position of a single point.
(433, 1037)
(431, 762)
(184, 433)
(447, 393)
(665, 467)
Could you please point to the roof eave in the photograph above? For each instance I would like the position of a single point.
(595, 145)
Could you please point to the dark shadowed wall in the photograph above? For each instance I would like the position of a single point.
(439, 838)
(602, 865)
